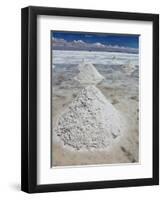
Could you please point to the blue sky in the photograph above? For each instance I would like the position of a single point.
(106, 39)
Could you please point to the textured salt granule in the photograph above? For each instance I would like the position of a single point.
(90, 121)
(88, 74)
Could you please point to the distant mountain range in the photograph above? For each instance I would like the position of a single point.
(79, 45)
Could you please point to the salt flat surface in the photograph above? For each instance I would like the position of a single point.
(76, 57)
(120, 87)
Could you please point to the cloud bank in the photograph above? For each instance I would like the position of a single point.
(61, 44)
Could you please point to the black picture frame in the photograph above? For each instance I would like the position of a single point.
(29, 99)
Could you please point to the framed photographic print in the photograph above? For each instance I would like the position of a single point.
(90, 99)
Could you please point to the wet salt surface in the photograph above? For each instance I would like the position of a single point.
(102, 58)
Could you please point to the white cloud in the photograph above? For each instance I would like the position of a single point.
(62, 44)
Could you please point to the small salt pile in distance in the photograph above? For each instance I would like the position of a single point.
(128, 68)
(88, 74)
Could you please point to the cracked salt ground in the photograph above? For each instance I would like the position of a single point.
(90, 121)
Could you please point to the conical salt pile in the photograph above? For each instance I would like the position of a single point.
(90, 121)
(128, 68)
(88, 74)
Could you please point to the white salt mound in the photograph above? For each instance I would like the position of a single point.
(88, 74)
(90, 121)
(129, 68)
